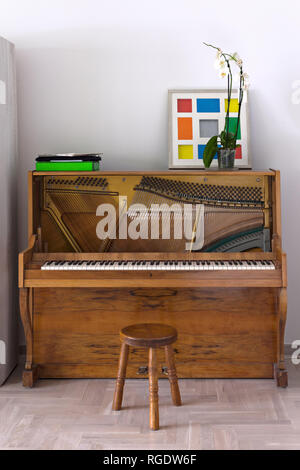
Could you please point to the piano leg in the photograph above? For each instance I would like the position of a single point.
(280, 372)
(30, 377)
(30, 374)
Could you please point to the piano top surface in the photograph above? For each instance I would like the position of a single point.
(237, 172)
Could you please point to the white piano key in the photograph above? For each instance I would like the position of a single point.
(158, 266)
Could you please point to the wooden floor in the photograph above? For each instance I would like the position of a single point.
(216, 414)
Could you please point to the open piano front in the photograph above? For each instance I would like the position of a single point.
(200, 250)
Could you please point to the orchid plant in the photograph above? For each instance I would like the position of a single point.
(226, 139)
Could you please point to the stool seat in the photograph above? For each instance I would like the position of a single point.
(148, 335)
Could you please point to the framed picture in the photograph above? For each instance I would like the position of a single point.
(197, 115)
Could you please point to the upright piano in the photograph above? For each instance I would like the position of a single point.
(108, 249)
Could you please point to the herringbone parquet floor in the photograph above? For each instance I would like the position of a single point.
(216, 414)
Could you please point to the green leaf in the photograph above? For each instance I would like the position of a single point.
(210, 150)
(229, 141)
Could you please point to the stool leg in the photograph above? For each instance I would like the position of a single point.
(118, 396)
(153, 390)
(175, 392)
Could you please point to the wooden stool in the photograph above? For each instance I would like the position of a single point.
(152, 336)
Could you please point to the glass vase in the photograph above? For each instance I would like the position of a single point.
(226, 158)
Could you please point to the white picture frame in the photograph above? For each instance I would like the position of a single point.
(197, 101)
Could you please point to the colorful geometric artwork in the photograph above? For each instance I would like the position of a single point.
(197, 115)
(232, 127)
(201, 148)
(184, 106)
(208, 105)
(209, 127)
(185, 152)
(234, 105)
(185, 128)
(238, 153)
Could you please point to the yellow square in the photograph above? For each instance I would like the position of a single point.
(185, 152)
(234, 105)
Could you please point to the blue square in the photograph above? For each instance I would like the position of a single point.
(201, 148)
(208, 105)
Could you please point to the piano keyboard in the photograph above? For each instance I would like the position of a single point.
(158, 265)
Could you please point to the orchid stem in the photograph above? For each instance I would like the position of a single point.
(227, 58)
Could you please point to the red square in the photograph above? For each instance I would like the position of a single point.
(238, 153)
(184, 105)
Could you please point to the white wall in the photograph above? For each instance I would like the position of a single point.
(93, 76)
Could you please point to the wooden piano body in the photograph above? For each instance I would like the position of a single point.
(230, 323)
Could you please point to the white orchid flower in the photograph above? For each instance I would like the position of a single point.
(220, 63)
(219, 54)
(223, 72)
(246, 82)
(237, 59)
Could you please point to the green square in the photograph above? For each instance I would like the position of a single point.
(232, 126)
